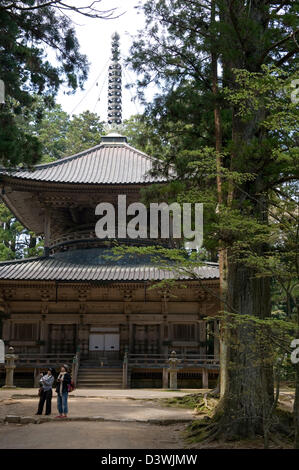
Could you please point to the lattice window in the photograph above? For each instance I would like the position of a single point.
(184, 332)
(25, 331)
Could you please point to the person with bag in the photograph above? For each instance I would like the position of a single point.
(62, 389)
(45, 392)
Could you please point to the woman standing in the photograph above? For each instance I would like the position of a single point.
(46, 382)
(63, 381)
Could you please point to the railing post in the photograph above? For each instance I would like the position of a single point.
(36, 377)
(205, 378)
(125, 368)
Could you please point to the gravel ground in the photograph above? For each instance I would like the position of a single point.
(79, 407)
(90, 435)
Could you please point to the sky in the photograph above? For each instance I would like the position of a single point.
(94, 36)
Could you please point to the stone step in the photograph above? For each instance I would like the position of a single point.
(99, 381)
(98, 378)
(98, 366)
(117, 385)
(97, 372)
(102, 387)
(101, 368)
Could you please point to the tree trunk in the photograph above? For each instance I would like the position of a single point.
(296, 401)
(249, 394)
(248, 397)
(221, 251)
(296, 408)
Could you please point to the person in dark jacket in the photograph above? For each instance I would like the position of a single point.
(63, 381)
(46, 383)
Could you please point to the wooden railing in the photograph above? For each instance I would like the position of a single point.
(74, 236)
(160, 360)
(44, 359)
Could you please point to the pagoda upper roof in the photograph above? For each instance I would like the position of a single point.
(113, 161)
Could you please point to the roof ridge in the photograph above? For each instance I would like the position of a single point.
(80, 154)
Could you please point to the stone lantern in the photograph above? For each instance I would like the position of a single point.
(10, 359)
(173, 362)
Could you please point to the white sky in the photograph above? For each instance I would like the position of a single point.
(94, 36)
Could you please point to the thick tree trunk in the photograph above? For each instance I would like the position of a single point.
(248, 397)
(296, 401)
(296, 408)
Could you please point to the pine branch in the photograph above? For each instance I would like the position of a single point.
(89, 10)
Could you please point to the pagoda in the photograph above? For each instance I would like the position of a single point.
(74, 298)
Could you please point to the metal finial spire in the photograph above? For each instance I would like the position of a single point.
(114, 84)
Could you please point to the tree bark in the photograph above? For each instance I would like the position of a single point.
(296, 408)
(249, 394)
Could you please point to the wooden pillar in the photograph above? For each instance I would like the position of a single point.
(2, 313)
(47, 231)
(6, 330)
(43, 334)
(161, 336)
(36, 376)
(131, 339)
(202, 337)
(205, 378)
(125, 370)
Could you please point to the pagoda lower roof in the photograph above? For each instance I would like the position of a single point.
(106, 163)
(93, 265)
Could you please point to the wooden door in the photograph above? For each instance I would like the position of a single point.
(146, 339)
(62, 338)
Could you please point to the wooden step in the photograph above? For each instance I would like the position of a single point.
(100, 377)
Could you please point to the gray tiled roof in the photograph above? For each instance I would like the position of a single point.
(91, 265)
(103, 164)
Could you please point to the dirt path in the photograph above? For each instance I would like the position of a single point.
(106, 408)
(94, 435)
(90, 435)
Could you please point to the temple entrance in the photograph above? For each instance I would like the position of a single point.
(62, 338)
(104, 344)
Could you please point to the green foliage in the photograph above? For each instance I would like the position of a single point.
(84, 131)
(16, 242)
(58, 135)
(25, 69)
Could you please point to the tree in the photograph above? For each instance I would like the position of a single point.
(27, 30)
(84, 131)
(58, 135)
(176, 49)
(61, 135)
